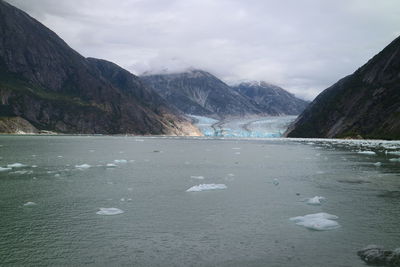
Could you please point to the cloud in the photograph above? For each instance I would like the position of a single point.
(303, 46)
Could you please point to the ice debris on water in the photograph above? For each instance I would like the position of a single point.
(367, 152)
(5, 169)
(375, 255)
(315, 200)
(204, 187)
(378, 164)
(83, 166)
(275, 181)
(111, 165)
(318, 221)
(29, 203)
(109, 211)
(197, 177)
(120, 161)
(16, 165)
(395, 160)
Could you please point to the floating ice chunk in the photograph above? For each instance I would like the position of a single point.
(5, 169)
(197, 177)
(83, 166)
(34, 166)
(59, 156)
(397, 153)
(367, 152)
(203, 187)
(122, 199)
(275, 181)
(111, 165)
(315, 200)
(318, 221)
(57, 175)
(378, 164)
(29, 203)
(395, 160)
(20, 172)
(109, 211)
(120, 161)
(374, 255)
(16, 165)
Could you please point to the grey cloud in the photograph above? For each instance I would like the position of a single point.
(303, 46)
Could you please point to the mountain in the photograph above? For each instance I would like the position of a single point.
(200, 93)
(45, 83)
(365, 104)
(271, 99)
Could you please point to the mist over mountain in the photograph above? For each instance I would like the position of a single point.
(47, 84)
(364, 104)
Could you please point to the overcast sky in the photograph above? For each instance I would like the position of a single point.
(301, 45)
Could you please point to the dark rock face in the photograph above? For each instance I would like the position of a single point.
(45, 82)
(366, 103)
(272, 99)
(200, 93)
(374, 255)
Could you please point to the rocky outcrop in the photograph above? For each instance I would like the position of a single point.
(374, 255)
(16, 125)
(198, 92)
(365, 104)
(271, 99)
(45, 82)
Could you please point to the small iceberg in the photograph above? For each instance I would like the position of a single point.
(83, 166)
(197, 177)
(395, 160)
(109, 211)
(111, 165)
(318, 221)
(275, 181)
(315, 200)
(120, 161)
(5, 169)
(378, 164)
(204, 187)
(367, 152)
(16, 165)
(29, 203)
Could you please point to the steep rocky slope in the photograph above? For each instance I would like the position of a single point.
(271, 99)
(365, 104)
(200, 93)
(45, 82)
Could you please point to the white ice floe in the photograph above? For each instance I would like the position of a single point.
(315, 200)
(395, 160)
(203, 187)
(367, 152)
(57, 175)
(111, 165)
(275, 181)
(318, 221)
(29, 203)
(397, 153)
(197, 177)
(5, 169)
(120, 161)
(378, 164)
(16, 165)
(83, 166)
(109, 211)
(34, 166)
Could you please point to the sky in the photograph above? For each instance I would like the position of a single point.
(303, 46)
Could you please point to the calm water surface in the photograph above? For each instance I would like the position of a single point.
(246, 224)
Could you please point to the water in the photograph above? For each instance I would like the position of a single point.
(246, 224)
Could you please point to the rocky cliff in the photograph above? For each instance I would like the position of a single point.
(365, 104)
(271, 99)
(48, 84)
(200, 93)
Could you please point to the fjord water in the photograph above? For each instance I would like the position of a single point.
(245, 224)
